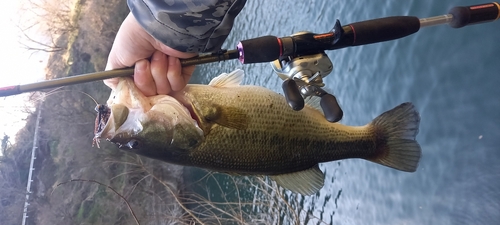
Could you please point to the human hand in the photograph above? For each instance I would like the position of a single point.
(161, 74)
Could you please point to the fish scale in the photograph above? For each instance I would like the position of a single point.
(277, 139)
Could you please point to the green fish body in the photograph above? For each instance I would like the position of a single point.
(250, 130)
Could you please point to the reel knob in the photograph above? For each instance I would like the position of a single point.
(331, 108)
(292, 94)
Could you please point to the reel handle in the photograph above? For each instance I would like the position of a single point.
(331, 108)
(292, 95)
(329, 104)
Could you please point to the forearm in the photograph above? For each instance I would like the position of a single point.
(187, 26)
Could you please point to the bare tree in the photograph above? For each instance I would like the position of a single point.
(5, 142)
(51, 19)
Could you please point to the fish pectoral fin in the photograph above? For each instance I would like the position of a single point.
(306, 182)
(230, 117)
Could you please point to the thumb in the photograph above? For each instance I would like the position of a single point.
(132, 43)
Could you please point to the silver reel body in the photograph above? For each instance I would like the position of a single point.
(307, 72)
(303, 77)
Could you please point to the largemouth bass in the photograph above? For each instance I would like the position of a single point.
(250, 130)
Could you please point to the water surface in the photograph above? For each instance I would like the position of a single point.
(451, 75)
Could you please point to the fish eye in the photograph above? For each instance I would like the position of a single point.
(132, 144)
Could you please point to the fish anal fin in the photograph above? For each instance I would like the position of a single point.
(230, 117)
(228, 79)
(305, 182)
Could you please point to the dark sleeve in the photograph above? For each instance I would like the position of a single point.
(189, 25)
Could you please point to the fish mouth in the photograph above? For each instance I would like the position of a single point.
(102, 118)
(108, 120)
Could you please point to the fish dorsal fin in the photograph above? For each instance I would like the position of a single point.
(228, 79)
(306, 182)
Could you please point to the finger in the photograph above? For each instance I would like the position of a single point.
(177, 81)
(143, 78)
(187, 72)
(131, 44)
(159, 68)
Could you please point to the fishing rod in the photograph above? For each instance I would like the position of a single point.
(299, 59)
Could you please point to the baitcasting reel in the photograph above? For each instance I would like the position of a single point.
(303, 78)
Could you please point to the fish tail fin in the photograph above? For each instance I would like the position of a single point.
(396, 130)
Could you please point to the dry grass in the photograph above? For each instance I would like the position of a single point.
(227, 200)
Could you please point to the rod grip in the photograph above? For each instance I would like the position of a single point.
(10, 90)
(380, 30)
(261, 49)
(468, 15)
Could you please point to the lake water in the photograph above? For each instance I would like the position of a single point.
(451, 75)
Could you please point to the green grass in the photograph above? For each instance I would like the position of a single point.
(81, 212)
(94, 214)
(91, 211)
(53, 147)
(120, 181)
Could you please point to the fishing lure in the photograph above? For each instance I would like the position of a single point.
(103, 114)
